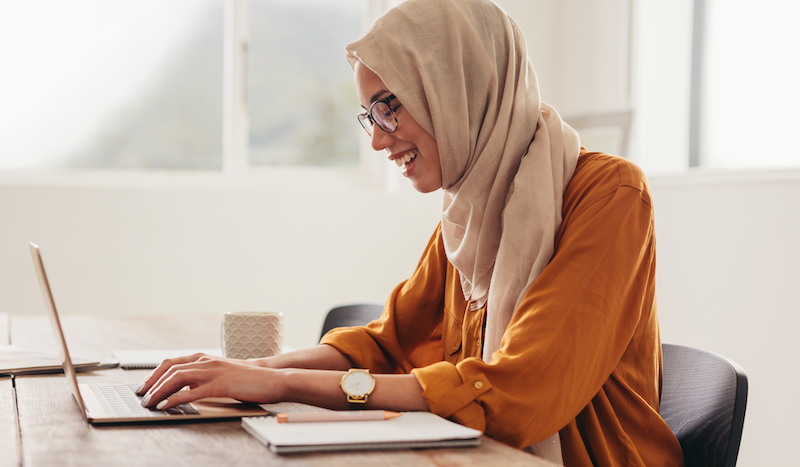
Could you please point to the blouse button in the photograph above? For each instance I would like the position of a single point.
(477, 384)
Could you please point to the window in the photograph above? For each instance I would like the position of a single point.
(111, 84)
(745, 87)
(142, 84)
(302, 98)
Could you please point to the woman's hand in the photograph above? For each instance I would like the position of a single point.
(209, 376)
(310, 376)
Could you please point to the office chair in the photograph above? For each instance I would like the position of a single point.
(351, 315)
(703, 399)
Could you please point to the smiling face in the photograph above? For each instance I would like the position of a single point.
(412, 148)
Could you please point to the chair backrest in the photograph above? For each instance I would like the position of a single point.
(351, 315)
(703, 399)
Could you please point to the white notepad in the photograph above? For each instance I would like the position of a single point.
(411, 430)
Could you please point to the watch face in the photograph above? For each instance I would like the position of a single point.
(358, 383)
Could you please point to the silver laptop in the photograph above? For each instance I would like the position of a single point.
(118, 403)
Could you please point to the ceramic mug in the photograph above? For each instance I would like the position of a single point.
(251, 334)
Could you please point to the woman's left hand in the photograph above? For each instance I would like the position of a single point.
(209, 376)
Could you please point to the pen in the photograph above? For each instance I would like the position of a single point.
(336, 416)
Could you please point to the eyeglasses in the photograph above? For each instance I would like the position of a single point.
(380, 114)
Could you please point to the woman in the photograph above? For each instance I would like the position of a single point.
(531, 315)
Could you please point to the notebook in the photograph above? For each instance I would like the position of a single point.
(16, 360)
(412, 430)
(149, 359)
(118, 403)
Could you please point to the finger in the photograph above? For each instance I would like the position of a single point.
(162, 368)
(171, 382)
(178, 376)
(183, 397)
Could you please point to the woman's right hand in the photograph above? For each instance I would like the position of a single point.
(274, 379)
(208, 376)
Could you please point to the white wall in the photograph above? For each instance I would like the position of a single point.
(727, 279)
(580, 51)
(161, 250)
(727, 243)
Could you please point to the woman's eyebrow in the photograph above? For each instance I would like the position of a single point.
(375, 97)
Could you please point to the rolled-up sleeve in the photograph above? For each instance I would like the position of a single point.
(409, 332)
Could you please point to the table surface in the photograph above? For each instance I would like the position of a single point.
(41, 425)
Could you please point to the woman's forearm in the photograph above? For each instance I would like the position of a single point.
(321, 357)
(321, 388)
(276, 379)
(301, 381)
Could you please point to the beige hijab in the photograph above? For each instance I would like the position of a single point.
(461, 68)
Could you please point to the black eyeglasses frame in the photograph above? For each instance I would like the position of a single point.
(367, 116)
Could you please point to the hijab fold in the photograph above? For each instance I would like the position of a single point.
(461, 68)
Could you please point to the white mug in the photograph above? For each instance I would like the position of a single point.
(251, 334)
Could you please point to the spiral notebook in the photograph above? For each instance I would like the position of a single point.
(149, 359)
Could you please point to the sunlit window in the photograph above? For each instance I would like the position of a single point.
(751, 84)
(138, 84)
(302, 98)
(111, 84)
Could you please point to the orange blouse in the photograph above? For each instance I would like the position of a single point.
(582, 353)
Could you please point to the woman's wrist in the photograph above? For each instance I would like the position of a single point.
(264, 362)
(279, 380)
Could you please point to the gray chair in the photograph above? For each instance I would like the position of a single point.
(351, 315)
(703, 399)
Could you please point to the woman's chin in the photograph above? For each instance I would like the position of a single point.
(423, 187)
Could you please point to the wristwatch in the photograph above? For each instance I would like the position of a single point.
(357, 384)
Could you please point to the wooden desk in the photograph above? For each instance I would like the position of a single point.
(52, 431)
(9, 443)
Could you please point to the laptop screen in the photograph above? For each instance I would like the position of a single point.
(55, 323)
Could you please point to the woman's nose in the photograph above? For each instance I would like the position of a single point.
(380, 138)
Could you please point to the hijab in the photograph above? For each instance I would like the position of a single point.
(461, 68)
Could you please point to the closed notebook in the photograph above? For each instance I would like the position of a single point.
(15, 360)
(411, 430)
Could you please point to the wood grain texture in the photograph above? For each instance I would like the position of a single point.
(8, 418)
(9, 454)
(54, 432)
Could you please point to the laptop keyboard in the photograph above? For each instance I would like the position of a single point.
(120, 400)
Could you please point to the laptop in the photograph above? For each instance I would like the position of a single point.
(103, 403)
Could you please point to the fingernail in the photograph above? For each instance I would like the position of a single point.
(162, 404)
(146, 400)
(139, 389)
